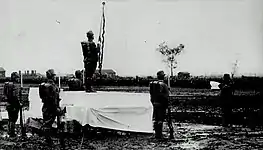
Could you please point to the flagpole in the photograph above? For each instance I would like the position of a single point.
(101, 37)
(21, 79)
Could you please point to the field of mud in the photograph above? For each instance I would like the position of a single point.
(187, 137)
(196, 128)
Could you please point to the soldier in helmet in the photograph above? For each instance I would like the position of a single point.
(159, 98)
(11, 95)
(226, 99)
(49, 93)
(91, 57)
(75, 84)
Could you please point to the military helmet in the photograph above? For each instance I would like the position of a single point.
(78, 73)
(50, 73)
(226, 77)
(160, 74)
(90, 34)
(15, 76)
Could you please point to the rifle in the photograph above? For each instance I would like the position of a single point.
(169, 118)
(60, 125)
(23, 132)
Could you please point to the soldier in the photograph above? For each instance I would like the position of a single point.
(11, 95)
(159, 98)
(90, 53)
(49, 93)
(75, 84)
(226, 98)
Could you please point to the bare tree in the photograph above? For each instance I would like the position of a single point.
(170, 54)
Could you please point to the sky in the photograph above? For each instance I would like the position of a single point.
(215, 33)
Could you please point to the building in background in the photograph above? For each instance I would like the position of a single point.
(2, 72)
(33, 74)
(183, 75)
(107, 72)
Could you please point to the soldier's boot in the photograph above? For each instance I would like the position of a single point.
(11, 129)
(48, 139)
(155, 126)
(159, 130)
(88, 85)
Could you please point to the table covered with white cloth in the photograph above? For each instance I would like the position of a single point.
(112, 110)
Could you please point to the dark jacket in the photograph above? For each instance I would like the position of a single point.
(49, 93)
(90, 51)
(159, 93)
(11, 94)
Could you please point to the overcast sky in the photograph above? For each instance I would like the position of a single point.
(215, 33)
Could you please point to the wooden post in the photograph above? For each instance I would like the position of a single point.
(169, 85)
(23, 132)
(59, 82)
(83, 76)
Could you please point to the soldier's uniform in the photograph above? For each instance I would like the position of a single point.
(90, 53)
(226, 96)
(11, 95)
(159, 98)
(75, 84)
(49, 93)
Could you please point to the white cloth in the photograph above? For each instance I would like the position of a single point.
(112, 110)
(214, 85)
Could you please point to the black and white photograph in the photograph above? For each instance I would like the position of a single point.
(131, 74)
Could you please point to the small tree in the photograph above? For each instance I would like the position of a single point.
(234, 69)
(170, 54)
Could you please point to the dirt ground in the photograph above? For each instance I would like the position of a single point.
(187, 137)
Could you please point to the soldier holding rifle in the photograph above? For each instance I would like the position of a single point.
(49, 93)
(226, 96)
(159, 98)
(91, 57)
(11, 95)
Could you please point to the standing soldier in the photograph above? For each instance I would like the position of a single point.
(159, 98)
(11, 95)
(90, 53)
(75, 84)
(226, 98)
(49, 93)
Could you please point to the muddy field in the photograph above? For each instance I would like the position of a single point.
(187, 137)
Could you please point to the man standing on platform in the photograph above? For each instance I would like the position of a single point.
(49, 93)
(159, 98)
(11, 95)
(226, 99)
(91, 57)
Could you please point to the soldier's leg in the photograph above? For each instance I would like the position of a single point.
(86, 76)
(226, 118)
(154, 119)
(48, 118)
(159, 122)
(12, 118)
(91, 67)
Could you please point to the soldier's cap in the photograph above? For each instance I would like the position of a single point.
(90, 33)
(50, 72)
(160, 73)
(226, 76)
(14, 76)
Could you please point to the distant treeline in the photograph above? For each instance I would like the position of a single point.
(241, 83)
